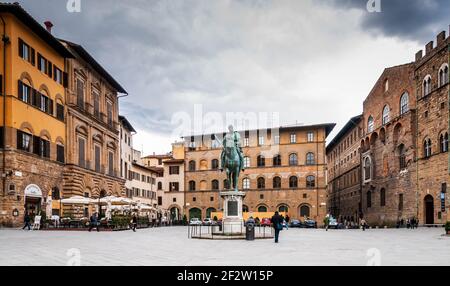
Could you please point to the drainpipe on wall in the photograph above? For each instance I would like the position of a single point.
(5, 41)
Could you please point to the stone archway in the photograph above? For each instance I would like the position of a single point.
(195, 213)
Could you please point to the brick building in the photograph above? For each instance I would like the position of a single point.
(285, 170)
(432, 89)
(344, 172)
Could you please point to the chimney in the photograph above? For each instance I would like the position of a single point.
(440, 38)
(419, 55)
(49, 26)
(429, 47)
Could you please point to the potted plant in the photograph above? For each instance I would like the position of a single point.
(447, 228)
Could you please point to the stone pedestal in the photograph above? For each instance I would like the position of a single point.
(232, 221)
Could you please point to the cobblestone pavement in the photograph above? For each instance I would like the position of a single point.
(171, 246)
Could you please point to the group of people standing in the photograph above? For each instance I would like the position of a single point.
(411, 223)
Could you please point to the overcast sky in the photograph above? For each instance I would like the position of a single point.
(310, 61)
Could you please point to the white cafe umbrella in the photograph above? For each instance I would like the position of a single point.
(76, 200)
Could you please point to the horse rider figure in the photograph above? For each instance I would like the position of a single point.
(232, 160)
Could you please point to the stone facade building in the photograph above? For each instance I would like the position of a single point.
(93, 143)
(32, 107)
(344, 172)
(432, 90)
(285, 170)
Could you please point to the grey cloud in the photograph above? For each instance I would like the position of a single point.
(418, 20)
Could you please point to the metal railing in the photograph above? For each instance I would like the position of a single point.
(217, 231)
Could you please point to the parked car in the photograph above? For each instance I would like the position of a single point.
(333, 223)
(207, 221)
(310, 223)
(195, 221)
(265, 222)
(295, 223)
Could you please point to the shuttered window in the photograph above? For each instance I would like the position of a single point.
(60, 154)
(81, 153)
(60, 111)
(23, 141)
(97, 158)
(111, 163)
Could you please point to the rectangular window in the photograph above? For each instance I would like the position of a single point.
(159, 201)
(60, 154)
(45, 148)
(42, 64)
(400, 202)
(260, 140)
(57, 75)
(23, 141)
(174, 186)
(310, 136)
(44, 103)
(80, 93)
(109, 113)
(97, 155)
(174, 170)
(111, 163)
(81, 153)
(25, 92)
(246, 142)
(26, 52)
(276, 139)
(96, 97)
(293, 138)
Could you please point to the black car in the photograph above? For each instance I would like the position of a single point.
(309, 223)
(295, 223)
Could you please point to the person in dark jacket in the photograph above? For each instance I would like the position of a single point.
(27, 220)
(277, 223)
(93, 222)
(134, 223)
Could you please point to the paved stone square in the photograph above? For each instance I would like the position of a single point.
(171, 246)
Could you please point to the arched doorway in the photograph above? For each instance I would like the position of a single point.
(209, 211)
(429, 209)
(174, 214)
(195, 213)
(33, 200)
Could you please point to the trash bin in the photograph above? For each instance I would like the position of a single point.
(250, 231)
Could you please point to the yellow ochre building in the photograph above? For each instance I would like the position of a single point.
(32, 108)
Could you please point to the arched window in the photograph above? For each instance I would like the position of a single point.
(370, 124)
(246, 162)
(383, 197)
(443, 142)
(276, 182)
(244, 208)
(367, 169)
(427, 85)
(277, 160)
(261, 161)
(369, 199)
(293, 182)
(310, 182)
(293, 160)
(443, 75)
(215, 185)
(310, 160)
(427, 148)
(283, 209)
(304, 211)
(246, 183)
(225, 184)
(191, 185)
(404, 103)
(386, 114)
(261, 183)
(191, 166)
(262, 209)
(215, 164)
(159, 186)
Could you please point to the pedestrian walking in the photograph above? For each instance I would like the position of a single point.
(363, 224)
(134, 223)
(277, 225)
(27, 220)
(93, 222)
(326, 222)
